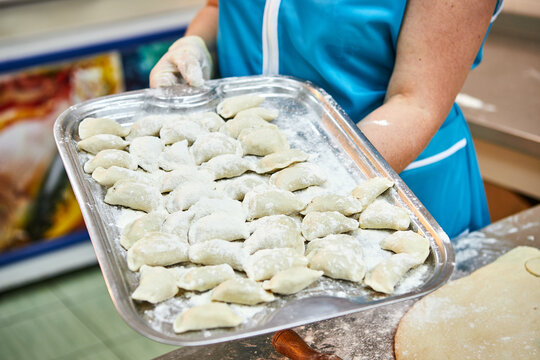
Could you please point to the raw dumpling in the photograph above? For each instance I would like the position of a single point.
(207, 206)
(292, 280)
(266, 263)
(207, 316)
(203, 278)
(157, 249)
(368, 191)
(178, 224)
(232, 105)
(384, 277)
(263, 141)
(108, 177)
(277, 231)
(110, 157)
(175, 156)
(238, 188)
(319, 224)
(227, 166)
(146, 150)
(211, 145)
(157, 284)
(265, 113)
(188, 193)
(134, 195)
(280, 160)
(183, 174)
(215, 252)
(382, 215)
(268, 201)
(208, 120)
(94, 126)
(347, 205)
(220, 225)
(407, 242)
(187, 130)
(299, 176)
(241, 291)
(137, 229)
(235, 126)
(96, 143)
(149, 125)
(338, 262)
(343, 241)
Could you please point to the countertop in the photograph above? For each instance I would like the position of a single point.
(369, 334)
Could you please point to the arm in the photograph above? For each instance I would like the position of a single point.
(435, 51)
(205, 24)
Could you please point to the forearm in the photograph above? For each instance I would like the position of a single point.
(205, 24)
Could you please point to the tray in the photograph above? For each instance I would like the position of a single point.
(313, 122)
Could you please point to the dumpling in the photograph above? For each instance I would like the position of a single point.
(241, 291)
(182, 174)
(146, 150)
(178, 224)
(299, 176)
(94, 126)
(343, 241)
(220, 225)
(108, 177)
(263, 141)
(338, 262)
(96, 143)
(382, 215)
(215, 252)
(188, 193)
(137, 229)
(266, 263)
(157, 249)
(207, 316)
(110, 157)
(384, 277)
(227, 166)
(368, 191)
(238, 188)
(203, 278)
(232, 105)
(407, 242)
(268, 201)
(277, 231)
(280, 160)
(292, 280)
(235, 126)
(347, 205)
(211, 145)
(265, 113)
(157, 284)
(175, 156)
(208, 120)
(319, 224)
(134, 195)
(149, 125)
(207, 206)
(187, 130)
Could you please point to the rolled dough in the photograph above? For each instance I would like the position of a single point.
(494, 313)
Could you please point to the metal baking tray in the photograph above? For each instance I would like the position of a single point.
(313, 122)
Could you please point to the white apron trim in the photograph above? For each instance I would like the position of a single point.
(270, 46)
(438, 157)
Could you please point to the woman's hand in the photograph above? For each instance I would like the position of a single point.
(188, 59)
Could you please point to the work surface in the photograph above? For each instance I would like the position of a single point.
(370, 334)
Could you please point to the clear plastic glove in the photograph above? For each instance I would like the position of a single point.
(187, 60)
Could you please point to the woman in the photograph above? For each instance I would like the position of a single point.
(395, 66)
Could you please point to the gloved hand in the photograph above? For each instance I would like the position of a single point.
(187, 59)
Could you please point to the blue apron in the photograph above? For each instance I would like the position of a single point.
(348, 47)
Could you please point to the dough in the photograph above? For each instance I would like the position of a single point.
(207, 316)
(241, 291)
(292, 280)
(494, 313)
(157, 284)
